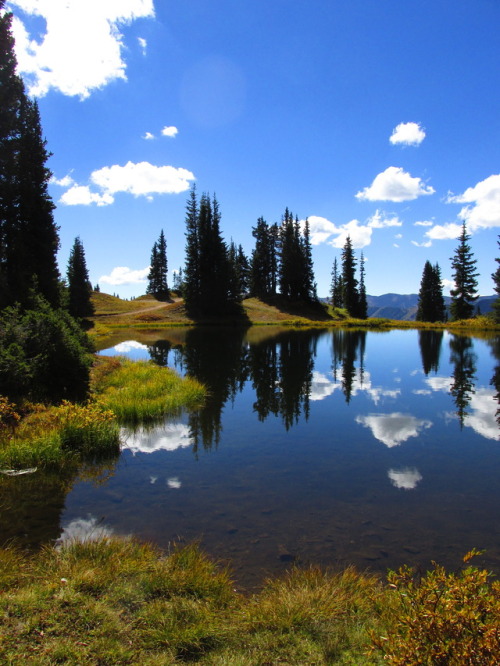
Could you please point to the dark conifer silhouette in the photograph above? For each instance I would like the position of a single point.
(79, 285)
(350, 293)
(158, 272)
(496, 279)
(431, 306)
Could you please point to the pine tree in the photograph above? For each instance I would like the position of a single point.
(264, 261)
(363, 303)
(350, 294)
(158, 272)
(28, 235)
(79, 286)
(431, 306)
(496, 279)
(465, 292)
(207, 285)
(336, 286)
(309, 287)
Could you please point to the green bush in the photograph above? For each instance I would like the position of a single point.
(44, 354)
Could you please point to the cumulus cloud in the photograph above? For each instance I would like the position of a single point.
(444, 231)
(148, 136)
(320, 229)
(393, 429)
(448, 284)
(424, 223)
(170, 131)
(138, 179)
(60, 57)
(360, 234)
(124, 275)
(321, 386)
(407, 134)
(128, 346)
(143, 44)
(395, 184)
(380, 220)
(483, 414)
(405, 479)
(81, 195)
(483, 204)
(66, 181)
(169, 437)
(174, 483)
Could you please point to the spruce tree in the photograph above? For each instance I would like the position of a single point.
(350, 293)
(264, 260)
(28, 235)
(362, 303)
(431, 306)
(158, 272)
(79, 285)
(336, 286)
(496, 279)
(464, 266)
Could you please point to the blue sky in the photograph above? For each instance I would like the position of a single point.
(377, 118)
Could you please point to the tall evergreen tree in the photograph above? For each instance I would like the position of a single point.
(158, 272)
(264, 260)
(79, 285)
(496, 279)
(336, 286)
(431, 306)
(350, 293)
(28, 235)
(464, 294)
(362, 303)
(207, 284)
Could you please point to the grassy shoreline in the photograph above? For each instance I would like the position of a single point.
(113, 314)
(117, 601)
(124, 392)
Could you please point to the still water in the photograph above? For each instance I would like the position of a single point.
(328, 447)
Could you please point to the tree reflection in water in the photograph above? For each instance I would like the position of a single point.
(430, 343)
(462, 387)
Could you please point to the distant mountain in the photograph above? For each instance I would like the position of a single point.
(403, 307)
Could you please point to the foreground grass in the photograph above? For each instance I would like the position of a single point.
(116, 601)
(140, 391)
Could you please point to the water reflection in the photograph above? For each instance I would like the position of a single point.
(394, 429)
(167, 437)
(347, 348)
(430, 343)
(462, 385)
(405, 479)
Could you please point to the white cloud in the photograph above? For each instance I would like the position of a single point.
(424, 223)
(483, 211)
(444, 231)
(321, 386)
(422, 392)
(148, 136)
(169, 437)
(61, 58)
(80, 195)
(448, 284)
(143, 44)
(170, 131)
(393, 429)
(482, 418)
(361, 235)
(424, 244)
(407, 134)
(406, 479)
(439, 383)
(320, 229)
(124, 275)
(379, 220)
(128, 346)
(395, 184)
(84, 530)
(141, 179)
(395, 245)
(174, 483)
(66, 181)
(398, 236)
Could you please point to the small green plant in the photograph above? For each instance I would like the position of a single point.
(448, 619)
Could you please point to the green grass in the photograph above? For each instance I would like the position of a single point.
(117, 601)
(56, 436)
(140, 392)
